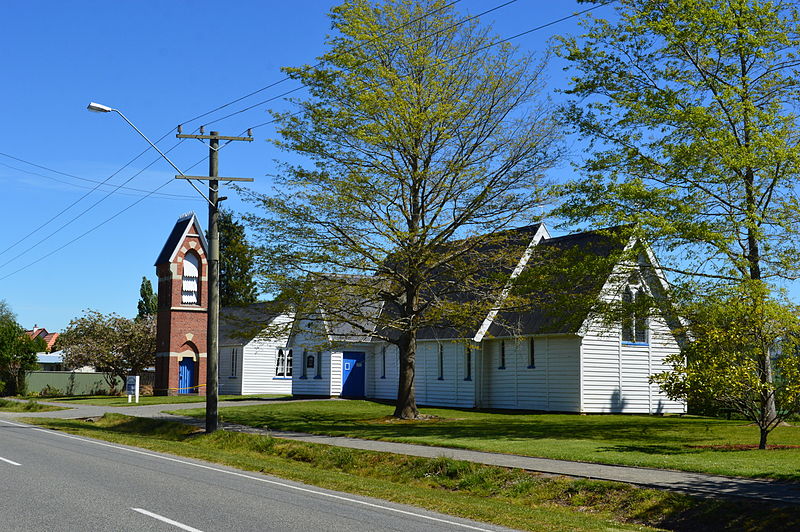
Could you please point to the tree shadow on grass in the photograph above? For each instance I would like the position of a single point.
(649, 449)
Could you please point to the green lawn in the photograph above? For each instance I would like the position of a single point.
(507, 497)
(122, 400)
(665, 442)
(27, 406)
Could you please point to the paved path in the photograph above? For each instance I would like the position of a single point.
(695, 483)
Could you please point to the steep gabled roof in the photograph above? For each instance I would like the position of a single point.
(563, 278)
(239, 325)
(358, 307)
(492, 262)
(183, 227)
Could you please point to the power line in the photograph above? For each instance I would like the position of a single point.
(92, 229)
(537, 28)
(102, 183)
(286, 78)
(490, 45)
(68, 207)
(79, 215)
(355, 48)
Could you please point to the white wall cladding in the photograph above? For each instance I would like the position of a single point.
(662, 344)
(310, 385)
(386, 387)
(451, 389)
(229, 385)
(615, 375)
(552, 384)
(260, 357)
(309, 339)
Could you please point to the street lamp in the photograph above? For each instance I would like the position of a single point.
(212, 394)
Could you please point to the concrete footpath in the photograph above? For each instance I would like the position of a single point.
(694, 483)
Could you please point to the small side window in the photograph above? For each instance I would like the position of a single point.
(531, 353)
(440, 362)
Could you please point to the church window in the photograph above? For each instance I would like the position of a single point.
(190, 289)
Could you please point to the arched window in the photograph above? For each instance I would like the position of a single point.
(640, 318)
(634, 320)
(283, 363)
(280, 363)
(190, 290)
(627, 318)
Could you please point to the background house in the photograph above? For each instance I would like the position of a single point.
(40, 332)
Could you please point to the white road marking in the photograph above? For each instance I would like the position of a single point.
(6, 460)
(166, 520)
(251, 477)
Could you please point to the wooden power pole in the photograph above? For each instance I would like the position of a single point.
(212, 360)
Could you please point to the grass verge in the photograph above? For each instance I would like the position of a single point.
(502, 496)
(27, 406)
(122, 400)
(705, 445)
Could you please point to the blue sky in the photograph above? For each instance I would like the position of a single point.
(161, 63)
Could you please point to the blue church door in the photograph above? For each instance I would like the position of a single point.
(353, 374)
(186, 375)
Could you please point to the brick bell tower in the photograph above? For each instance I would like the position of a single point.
(181, 348)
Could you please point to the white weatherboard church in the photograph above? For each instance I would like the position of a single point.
(577, 365)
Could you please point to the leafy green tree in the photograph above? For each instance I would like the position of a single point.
(112, 344)
(236, 284)
(690, 107)
(148, 300)
(724, 364)
(17, 352)
(426, 137)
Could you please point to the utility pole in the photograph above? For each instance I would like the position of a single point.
(212, 360)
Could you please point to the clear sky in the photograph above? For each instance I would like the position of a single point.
(161, 63)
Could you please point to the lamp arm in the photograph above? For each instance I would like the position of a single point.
(161, 153)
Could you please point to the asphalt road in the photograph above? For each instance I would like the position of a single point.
(55, 481)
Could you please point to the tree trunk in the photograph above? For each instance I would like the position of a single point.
(762, 444)
(770, 411)
(406, 407)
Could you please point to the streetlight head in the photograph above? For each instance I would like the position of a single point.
(98, 108)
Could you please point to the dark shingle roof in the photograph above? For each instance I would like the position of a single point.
(357, 307)
(489, 265)
(239, 325)
(181, 228)
(563, 279)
